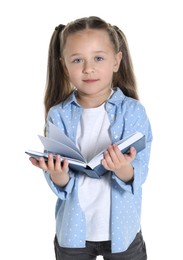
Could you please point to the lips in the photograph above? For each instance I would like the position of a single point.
(90, 80)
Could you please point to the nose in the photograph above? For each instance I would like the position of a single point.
(88, 67)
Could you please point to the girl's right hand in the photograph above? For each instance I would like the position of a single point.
(59, 171)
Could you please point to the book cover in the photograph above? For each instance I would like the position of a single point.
(59, 143)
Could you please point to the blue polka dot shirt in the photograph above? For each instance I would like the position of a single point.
(126, 115)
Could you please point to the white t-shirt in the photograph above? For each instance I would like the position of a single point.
(95, 194)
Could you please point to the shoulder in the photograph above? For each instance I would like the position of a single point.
(125, 102)
(55, 111)
(133, 104)
(64, 106)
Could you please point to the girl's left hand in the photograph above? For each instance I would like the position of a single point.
(114, 160)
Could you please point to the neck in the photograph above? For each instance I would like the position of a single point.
(92, 101)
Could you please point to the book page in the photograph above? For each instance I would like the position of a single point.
(56, 134)
(55, 147)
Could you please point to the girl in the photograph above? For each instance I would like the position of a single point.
(91, 96)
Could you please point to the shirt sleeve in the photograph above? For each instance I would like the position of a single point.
(61, 192)
(140, 163)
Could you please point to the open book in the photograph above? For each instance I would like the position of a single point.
(59, 143)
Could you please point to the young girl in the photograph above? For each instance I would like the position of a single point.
(91, 96)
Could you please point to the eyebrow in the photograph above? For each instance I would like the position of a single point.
(78, 54)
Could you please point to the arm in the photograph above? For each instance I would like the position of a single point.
(119, 163)
(58, 176)
(130, 171)
(59, 172)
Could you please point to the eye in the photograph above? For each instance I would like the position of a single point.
(99, 58)
(77, 60)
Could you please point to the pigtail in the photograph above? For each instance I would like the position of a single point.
(125, 77)
(57, 84)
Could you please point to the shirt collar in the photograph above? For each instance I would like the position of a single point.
(71, 100)
(115, 98)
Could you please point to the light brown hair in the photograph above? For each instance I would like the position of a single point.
(58, 86)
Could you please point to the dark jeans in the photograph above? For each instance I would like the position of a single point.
(136, 251)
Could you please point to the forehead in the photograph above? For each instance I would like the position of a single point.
(88, 37)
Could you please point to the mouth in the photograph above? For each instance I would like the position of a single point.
(90, 80)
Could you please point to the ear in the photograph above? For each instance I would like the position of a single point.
(118, 59)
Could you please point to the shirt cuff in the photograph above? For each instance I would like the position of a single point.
(61, 192)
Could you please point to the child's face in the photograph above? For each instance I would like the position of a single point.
(90, 61)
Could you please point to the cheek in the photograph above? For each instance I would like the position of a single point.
(73, 74)
(109, 71)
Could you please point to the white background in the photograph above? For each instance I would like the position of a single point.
(154, 32)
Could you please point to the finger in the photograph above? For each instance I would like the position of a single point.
(112, 153)
(133, 151)
(57, 163)
(118, 153)
(131, 155)
(51, 164)
(42, 164)
(34, 161)
(108, 159)
(65, 165)
(105, 165)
